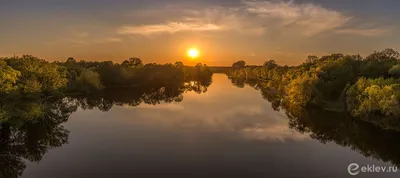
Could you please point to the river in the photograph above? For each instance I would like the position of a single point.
(225, 131)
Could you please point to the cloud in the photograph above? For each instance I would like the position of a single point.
(206, 19)
(254, 17)
(309, 19)
(364, 32)
(79, 38)
(79, 42)
(250, 122)
(79, 34)
(108, 40)
(168, 106)
(274, 132)
(171, 27)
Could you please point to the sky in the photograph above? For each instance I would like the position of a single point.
(224, 31)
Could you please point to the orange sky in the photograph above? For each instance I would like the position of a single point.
(223, 31)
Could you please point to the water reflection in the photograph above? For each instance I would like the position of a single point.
(340, 128)
(134, 97)
(31, 129)
(31, 126)
(216, 130)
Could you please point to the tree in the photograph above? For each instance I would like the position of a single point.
(301, 90)
(378, 63)
(331, 57)
(113, 75)
(334, 75)
(37, 75)
(385, 55)
(368, 97)
(8, 78)
(71, 60)
(89, 81)
(239, 65)
(311, 59)
(133, 62)
(269, 65)
(179, 64)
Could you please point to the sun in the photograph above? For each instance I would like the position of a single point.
(193, 53)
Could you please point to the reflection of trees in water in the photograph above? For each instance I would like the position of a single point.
(363, 137)
(22, 139)
(238, 82)
(267, 93)
(29, 128)
(340, 128)
(196, 86)
(166, 93)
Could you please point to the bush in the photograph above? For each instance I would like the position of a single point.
(89, 81)
(371, 97)
(395, 70)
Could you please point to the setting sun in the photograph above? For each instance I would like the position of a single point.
(193, 53)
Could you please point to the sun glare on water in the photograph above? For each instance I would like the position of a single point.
(193, 53)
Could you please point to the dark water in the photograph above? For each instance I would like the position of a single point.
(227, 131)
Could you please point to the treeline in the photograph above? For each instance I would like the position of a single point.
(89, 76)
(37, 96)
(30, 75)
(367, 88)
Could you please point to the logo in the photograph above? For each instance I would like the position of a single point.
(353, 169)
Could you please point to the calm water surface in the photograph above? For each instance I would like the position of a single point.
(227, 131)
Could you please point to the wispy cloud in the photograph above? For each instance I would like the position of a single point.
(108, 40)
(274, 132)
(364, 32)
(80, 38)
(83, 42)
(171, 27)
(258, 125)
(309, 19)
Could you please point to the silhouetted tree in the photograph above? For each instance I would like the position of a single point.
(312, 59)
(133, 62)
(269, 65)
(239, 65)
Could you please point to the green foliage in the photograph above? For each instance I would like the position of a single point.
(269, 65)
(133, 62)
(334, 75)
(89, 81)
(376, 101)
(302, 89)
(312, 59)
(331, 57)
(369, 97)
(29, 75)
(384, 55)
(128, 74)
(37, 75)
(8, 78)
(334, 82)
(395, 70)
(378, 64)
(239, 65)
